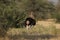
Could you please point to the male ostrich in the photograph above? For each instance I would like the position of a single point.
(29, 22)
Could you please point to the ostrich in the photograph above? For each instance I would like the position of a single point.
(29, 22)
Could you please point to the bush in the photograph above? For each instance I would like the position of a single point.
(57, 16)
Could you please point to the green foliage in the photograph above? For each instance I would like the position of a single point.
(41, 9)
(10, 15)
(57, 16)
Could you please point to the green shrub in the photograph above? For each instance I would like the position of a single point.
(57, 16)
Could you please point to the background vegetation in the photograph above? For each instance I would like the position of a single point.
(14, 12)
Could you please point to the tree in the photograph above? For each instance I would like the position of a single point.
(41, 9)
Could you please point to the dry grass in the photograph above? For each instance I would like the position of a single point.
(47, 23)
(38, 29)
(42, 28)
